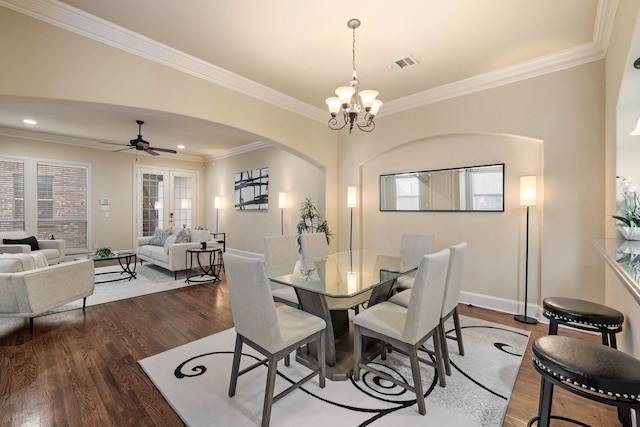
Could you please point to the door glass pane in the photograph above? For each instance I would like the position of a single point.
(183, 202)
(152, 203)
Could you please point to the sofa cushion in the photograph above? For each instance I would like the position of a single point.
(159, 236)
(154, 252)
(31, 241)
(14, 263)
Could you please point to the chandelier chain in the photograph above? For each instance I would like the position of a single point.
(353, 52)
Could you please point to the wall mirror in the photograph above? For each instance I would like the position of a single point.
(469, 189)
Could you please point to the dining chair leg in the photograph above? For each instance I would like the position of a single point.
(235, 367)
(417, 379)
(445, 348)
(322, 359)
(437, 346)
(456, 323)
(269, 389)
(357, 349)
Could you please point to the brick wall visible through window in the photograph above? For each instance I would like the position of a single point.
(51, 202)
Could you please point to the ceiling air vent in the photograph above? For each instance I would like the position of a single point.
(402, 63)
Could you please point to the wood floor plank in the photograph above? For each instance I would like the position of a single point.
(80, 369)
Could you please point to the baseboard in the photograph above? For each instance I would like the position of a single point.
(501, 304)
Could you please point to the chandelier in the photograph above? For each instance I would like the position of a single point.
(359, 107)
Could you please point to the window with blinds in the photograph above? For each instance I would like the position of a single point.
(45, 199)
(11, 195)
(62, 203)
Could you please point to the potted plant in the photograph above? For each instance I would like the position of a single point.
(310, 221)
(630, 210)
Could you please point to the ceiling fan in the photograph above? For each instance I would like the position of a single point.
(142, 145)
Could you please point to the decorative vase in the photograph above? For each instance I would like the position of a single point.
(630, 233)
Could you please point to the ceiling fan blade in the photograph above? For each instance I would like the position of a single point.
(150, 151)
(123, 149)
(164, 150)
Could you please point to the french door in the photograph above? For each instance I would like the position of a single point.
(163, 198)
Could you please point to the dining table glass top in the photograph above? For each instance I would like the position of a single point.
(341, 274)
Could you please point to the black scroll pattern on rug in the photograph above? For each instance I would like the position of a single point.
(370, 384)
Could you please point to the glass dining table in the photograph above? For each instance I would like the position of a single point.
(330, 286)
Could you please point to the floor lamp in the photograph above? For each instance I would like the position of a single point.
(528, 199)
(216, 204)
(282, 203)
(351, 203)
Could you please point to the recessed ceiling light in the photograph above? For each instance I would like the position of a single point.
(181, 147)
(30, 122)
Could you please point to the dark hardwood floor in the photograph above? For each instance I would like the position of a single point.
(80, 369)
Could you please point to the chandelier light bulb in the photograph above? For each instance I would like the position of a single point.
(375, 107)
(368, 97)
(334, 105)
(344, 94)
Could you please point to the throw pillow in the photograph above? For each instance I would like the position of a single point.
(31, 241)
(183, 236)
(159, 236)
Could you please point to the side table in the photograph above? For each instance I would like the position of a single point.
(209, 272)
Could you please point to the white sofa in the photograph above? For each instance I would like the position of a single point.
(53, 250)
(29, 287)
(171, 255)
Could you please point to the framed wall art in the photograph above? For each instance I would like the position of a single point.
(252, 189)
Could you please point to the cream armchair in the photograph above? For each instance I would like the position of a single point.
(53, 250)
(34, 291)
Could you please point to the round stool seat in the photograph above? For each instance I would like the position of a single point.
(580, 311)
(589, 365)
(587, 369)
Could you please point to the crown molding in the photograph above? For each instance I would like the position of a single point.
(69, 18)
(568, 58)
(236, 151)
(79, 142)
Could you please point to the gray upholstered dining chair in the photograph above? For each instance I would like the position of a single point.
(313, 245)
(281, 251)
(449, 303)
(272, 331)
(412, 248)
(406, 329)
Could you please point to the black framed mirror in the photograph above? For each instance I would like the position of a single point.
(466, 189)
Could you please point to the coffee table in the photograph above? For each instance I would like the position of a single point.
(124, 259)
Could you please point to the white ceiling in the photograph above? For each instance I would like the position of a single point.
(295, 53)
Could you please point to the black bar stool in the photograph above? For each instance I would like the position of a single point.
(593, 371)
(585, 315)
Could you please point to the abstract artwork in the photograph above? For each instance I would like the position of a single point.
(252, 189)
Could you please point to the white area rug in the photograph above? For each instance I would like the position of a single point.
(194, 378)
(149, 279)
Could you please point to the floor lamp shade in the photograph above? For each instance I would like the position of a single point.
(527, 191)
(216, 202)
(351, 197)
(282, 200)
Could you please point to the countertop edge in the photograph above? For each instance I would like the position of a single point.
(629, 282)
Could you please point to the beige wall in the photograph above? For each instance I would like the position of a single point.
(564, 110)
(111, 178)
(287, 173)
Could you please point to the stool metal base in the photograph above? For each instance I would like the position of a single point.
(525, 319)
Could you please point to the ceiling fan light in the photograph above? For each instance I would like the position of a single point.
(334, 105)
(368, 97)
(375, 107)
(344, 94)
